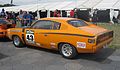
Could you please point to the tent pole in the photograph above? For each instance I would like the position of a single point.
(76, 3)
(38, 14)
(61, 13)
(48, 13)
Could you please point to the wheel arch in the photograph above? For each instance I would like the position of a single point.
(74, 50)
(59, 45)
(19, 37)
(13, 36)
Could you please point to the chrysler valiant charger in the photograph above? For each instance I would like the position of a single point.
(4, 25)
(69, 36)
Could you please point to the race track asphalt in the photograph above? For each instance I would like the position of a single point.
(12, 58)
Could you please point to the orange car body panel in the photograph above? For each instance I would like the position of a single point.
(77, 37)
(4, 27)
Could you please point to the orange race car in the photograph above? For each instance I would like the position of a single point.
(4, 25)
(70, 36)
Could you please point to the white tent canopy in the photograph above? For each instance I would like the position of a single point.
(68, 5)
(89, 3)
(117, 5)
(107, 4)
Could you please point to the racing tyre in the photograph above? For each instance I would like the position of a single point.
(17, 42)
(68, 51)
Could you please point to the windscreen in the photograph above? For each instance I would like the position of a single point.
(77, 23)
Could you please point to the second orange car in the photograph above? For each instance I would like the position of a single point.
(4, 25)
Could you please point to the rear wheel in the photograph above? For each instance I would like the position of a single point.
(17, 41)
(68, 51)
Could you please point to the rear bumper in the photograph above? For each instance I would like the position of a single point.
(95, 48)
(100, 45)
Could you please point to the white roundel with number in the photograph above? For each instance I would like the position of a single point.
(30, 36)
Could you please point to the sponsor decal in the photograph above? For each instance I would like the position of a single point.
(30, 36)
(81, 44)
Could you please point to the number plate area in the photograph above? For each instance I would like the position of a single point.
(30, 36)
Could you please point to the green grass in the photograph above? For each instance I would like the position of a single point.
(116, 28)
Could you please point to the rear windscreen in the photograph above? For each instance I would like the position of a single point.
(77, 23)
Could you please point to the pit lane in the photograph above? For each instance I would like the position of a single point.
(31, 58)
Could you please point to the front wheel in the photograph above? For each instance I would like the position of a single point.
(17, 42)
(68, 51)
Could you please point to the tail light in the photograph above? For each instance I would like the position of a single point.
(3, 27)
(92, 41)
(0, 27)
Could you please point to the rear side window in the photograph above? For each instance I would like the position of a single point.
(44, 24)
(77, 23)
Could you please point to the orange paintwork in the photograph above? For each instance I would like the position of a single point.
(76, 36)
(4, 27)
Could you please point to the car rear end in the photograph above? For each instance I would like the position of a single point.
(102, 37)
(102, 40)
(3, 29)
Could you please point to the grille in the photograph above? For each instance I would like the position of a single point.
(105, 36)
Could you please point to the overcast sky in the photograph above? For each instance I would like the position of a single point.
(23, 2)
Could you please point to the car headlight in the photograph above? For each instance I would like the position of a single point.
(91, 41)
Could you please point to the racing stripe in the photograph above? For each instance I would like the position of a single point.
(69, 34)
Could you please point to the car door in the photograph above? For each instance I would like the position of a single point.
(31, 34)
(40, 33)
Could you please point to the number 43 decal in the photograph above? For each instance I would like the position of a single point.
(30, 36)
